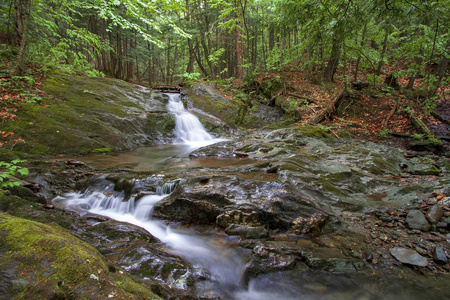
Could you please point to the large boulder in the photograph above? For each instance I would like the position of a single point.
(40, 261)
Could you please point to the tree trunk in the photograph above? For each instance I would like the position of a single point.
(359, 57)
(239, 54)
(441, 71)
(419, 61)
(22, 11)
(333, 63)
(383, 52)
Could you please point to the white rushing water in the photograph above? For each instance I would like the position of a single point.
(222, 263)
(188, 128)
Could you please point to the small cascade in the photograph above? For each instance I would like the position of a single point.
(188, 128)
(224, 264)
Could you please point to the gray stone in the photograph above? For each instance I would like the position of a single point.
(439, 256)
(422, 166)
(435, 214)
(416, 220)
(441, 225)
(447, 192)
(247, 232)
(408, 256)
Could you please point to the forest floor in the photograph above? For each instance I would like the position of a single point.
(363, 110)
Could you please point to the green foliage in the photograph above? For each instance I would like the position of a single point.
(383, 134)
(324, 129)
(9, 170)
(418, 136)
(374, 79)
(192, 76)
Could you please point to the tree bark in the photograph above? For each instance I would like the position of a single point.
(239, 54)
(383, 52)
(22, 11)
(333, 63)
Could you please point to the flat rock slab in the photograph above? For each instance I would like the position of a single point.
(408, 256)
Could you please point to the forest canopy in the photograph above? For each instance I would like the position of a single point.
(171, 41)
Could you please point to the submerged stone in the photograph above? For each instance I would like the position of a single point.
(408, 256)
(247, 232)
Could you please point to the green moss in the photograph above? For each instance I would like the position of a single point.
(278, 125)
(231, 111)
(102, 150)
(313, 131)
(54, 264)
(85, 114)
(329, 187)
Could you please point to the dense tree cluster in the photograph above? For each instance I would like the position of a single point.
(166, 41)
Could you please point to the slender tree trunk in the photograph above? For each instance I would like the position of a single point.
(22, 11)
(383, 52)
(419, 61)
(198, 59)
(359, 57)
(239, 54)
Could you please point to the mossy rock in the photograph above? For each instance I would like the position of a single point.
(88, 114)
(206, 98)
(47, 262)
(313, 131)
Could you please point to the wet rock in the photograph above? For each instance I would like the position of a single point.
(186, 211)
(422, 166)
(408, 256)
(435, 214)
(416, 220)
(265, 259)
(439, 256)
(251, 215)
(417, 145)
(247, 215)
(247, 232)
(312, 225)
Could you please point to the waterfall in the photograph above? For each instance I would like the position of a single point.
(188, 128)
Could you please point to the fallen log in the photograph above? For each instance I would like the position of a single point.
(420, 125)
(439, 117)
(328, 110)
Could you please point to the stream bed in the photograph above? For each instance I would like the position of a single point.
(273, 215)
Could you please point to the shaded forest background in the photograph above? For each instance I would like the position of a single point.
(401, 48)
(170, 41)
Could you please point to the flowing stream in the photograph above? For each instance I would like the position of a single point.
(224, 265)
